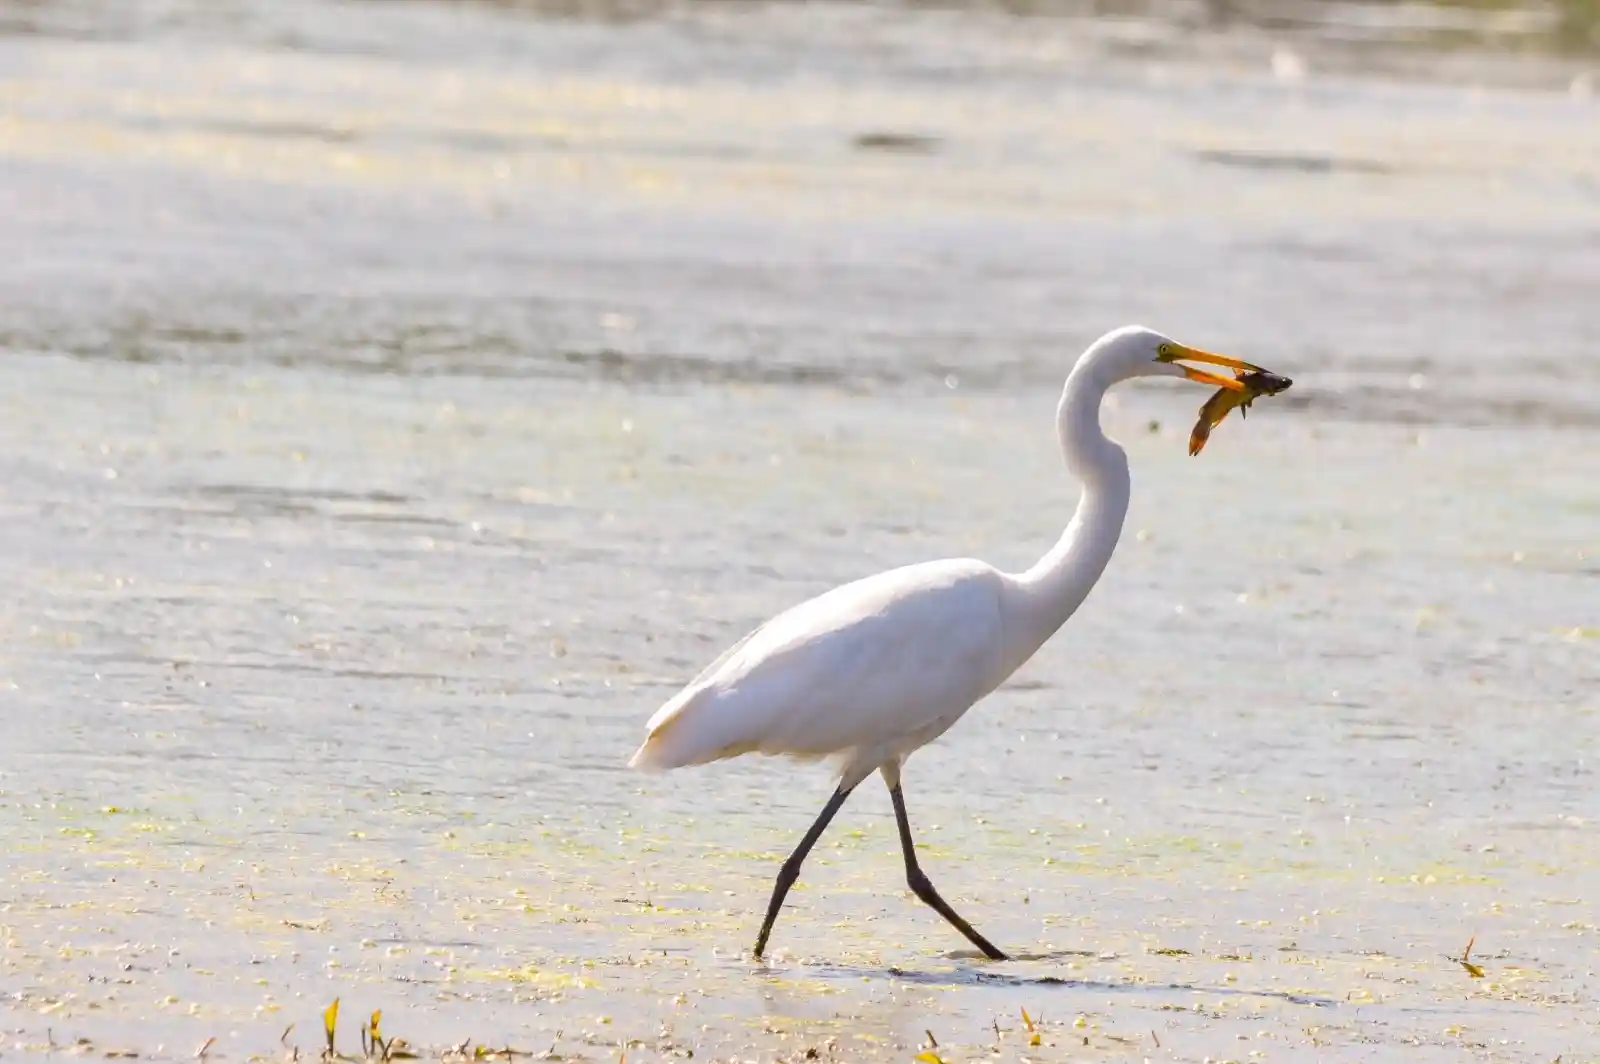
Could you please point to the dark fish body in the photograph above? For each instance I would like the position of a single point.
(1257, 382)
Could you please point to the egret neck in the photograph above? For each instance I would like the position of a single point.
(1056, 585)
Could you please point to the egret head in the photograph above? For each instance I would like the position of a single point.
(1134, 351)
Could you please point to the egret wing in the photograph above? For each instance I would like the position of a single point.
(885, 663)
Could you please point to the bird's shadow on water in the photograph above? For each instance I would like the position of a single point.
(974, 970)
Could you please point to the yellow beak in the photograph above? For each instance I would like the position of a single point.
(1178, 353)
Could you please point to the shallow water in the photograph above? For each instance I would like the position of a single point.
(393, 419)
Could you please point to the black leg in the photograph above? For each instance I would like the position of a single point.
(923, 889)
(791, 868)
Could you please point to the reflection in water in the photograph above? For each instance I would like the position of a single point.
(981, 978)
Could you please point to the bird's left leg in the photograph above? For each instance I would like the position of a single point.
(791, 868)
(918, 881)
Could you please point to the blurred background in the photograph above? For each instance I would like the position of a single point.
(400, 399)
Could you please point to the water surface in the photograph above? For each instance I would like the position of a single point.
(392, 419)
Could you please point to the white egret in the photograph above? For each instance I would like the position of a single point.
(869, 672)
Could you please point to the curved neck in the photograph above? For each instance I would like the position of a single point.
(1059, 582)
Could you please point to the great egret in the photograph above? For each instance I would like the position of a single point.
(869, 672)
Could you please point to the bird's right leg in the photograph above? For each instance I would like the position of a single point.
(918, 880)
(791, 868)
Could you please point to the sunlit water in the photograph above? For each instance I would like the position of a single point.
(396, 409)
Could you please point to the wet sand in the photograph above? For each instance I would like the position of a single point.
(385, 436)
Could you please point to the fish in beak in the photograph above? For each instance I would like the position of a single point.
(1248, 383)
(1240, 392)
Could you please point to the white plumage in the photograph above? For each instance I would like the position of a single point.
(869, 672)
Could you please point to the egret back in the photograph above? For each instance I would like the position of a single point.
(870, 670)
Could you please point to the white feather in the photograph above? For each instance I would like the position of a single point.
(870, 670)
